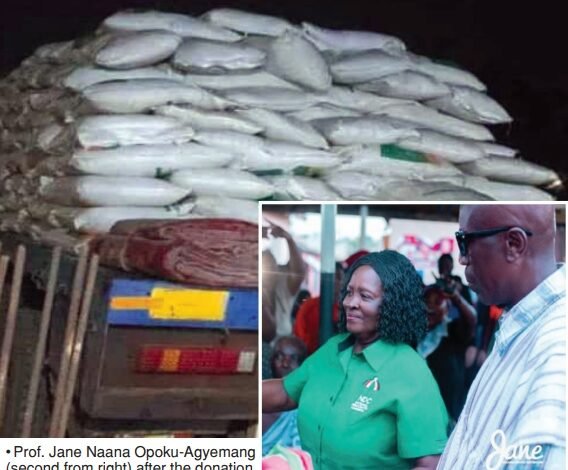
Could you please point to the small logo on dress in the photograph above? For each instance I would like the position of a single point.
(372, 384)
(361, 404)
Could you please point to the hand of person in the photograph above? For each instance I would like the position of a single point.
(481, 357)
(278, 232)
(451, 288)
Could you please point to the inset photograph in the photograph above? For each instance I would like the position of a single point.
(395, 336)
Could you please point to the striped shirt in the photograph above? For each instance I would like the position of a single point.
(518, 396)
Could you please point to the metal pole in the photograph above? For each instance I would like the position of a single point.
(327, 294)
(364, 213)
(41, 342)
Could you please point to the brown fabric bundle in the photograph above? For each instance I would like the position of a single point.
(221, 253)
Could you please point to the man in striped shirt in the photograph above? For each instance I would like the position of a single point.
(514, 416)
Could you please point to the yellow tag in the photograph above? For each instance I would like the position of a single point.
(187, 304)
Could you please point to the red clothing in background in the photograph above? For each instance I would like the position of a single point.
(306, 326)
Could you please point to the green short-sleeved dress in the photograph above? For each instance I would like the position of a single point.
(378, 409)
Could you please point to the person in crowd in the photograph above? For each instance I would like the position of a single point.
(366, 399)
(303, 295)
(445, 344)
(281, 428)
(283, 282)
(306, 326)
(514, 415)
(447, 278)
(476, 353)
(268, 330)
(352, 258)
(473, 354)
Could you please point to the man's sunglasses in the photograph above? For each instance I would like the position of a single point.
(463, 238)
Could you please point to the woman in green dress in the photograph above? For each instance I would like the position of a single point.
(366, 399)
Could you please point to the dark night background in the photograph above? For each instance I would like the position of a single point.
(517, 49)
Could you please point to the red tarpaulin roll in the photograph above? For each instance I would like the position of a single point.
(200, 252)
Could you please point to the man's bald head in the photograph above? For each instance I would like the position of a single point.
(504, 267)
(537, 218)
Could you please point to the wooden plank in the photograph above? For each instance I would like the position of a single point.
(10, 326)
(78, 344)
(70, 330)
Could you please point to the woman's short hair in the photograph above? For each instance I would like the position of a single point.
(402, 314)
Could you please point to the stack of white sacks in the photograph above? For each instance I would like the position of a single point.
(161, 115)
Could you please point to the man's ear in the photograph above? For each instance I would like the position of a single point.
(516, 244)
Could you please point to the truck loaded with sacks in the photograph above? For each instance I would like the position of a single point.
(149, 329)
(145, 147)
(164, 115)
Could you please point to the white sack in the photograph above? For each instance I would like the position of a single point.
(322, 111)
(449, 148)
(407, 85)
(368, 65)
(101, 219)
(214, 206)
(364, 130)
(131, 129)
(362, 186)
(370, 160)
(183, 25)
(109, 191)
(496, 150)
(276, 99)
(222, 182)
(280, 127)
(248, 23)
(229, 140)
(326, 39)
(285, 157)
(503, 191)
(511, 170)
(448, 74)
(84, 77)
(212, 56)
(148, 160)
(471, 105)
(259, 42)
(361, 101)
(428, 118)
(135, 96)
(138, 50)
(210, 120)
(293, 58)
(301, 188)
(256, 79)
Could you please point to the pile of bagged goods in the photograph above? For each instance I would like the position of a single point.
(167, 116)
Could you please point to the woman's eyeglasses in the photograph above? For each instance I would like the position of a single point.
(463, 238)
